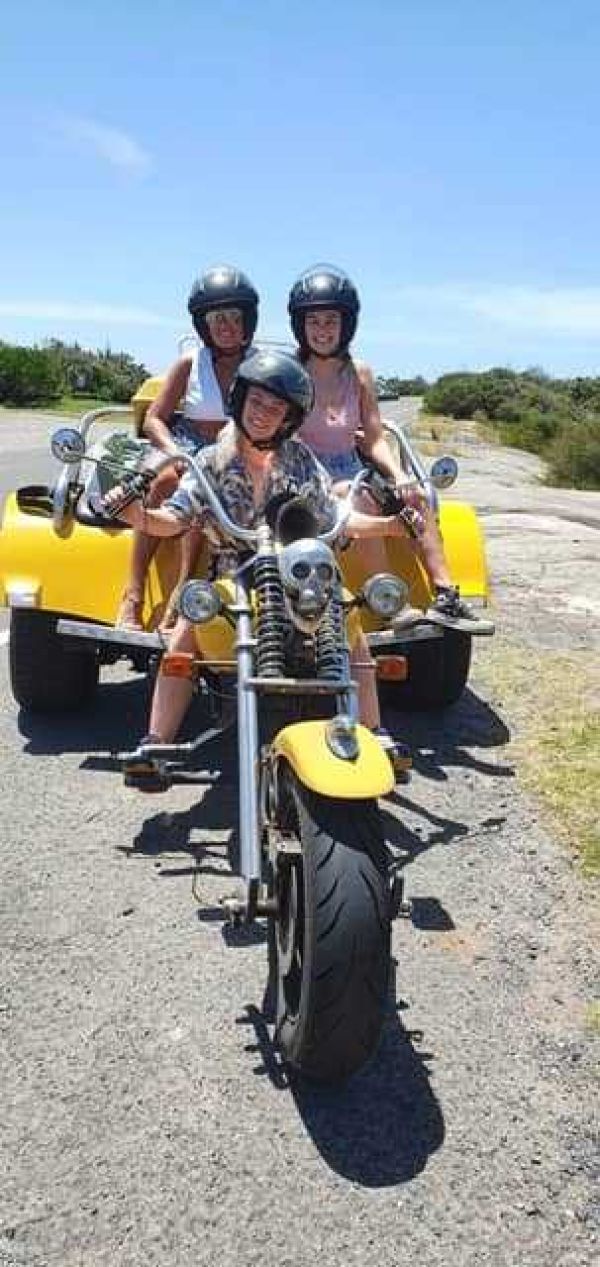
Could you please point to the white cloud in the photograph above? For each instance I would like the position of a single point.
(112, 144)
(105, 314)
(569, 311)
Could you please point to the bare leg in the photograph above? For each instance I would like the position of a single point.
(172, 695)
(144, 548)
(430, 548)
(189, 549)
(363, 671)
(131, 606)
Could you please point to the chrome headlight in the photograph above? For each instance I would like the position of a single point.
(341, 737)
(385, 594)
(199, 602)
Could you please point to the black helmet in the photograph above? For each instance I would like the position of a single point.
(223, 287)
(281, 374)
(324, 286)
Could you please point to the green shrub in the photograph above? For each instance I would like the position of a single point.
(37, 376)
(573, 457)
(532, 430)
(28, 376)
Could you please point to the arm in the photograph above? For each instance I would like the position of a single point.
(156, 523)
(156, 423)
(361, 525)
(374, 444)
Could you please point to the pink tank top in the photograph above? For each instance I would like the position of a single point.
(333, 421)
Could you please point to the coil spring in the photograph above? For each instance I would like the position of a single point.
(329, 642)
(270, 624)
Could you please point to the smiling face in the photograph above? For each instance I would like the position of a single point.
(323, 330)
(263, 414)
(226, 327)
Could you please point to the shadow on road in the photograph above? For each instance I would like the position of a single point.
(119, 715)
(116, 719)
(380, 1128)
(441, 739)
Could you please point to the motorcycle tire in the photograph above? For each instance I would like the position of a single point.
(437, 674)
(46, 674)
(330, 943)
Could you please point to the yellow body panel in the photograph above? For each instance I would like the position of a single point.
(304, 747)
(79, 570)
(145, 395)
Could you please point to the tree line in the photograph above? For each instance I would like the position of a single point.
(42, 375)
(558, 418)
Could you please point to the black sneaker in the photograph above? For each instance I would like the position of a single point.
(449, 609)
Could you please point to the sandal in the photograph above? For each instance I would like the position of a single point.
(129, 615)
(147, 774)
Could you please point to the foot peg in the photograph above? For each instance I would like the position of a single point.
(400, 907)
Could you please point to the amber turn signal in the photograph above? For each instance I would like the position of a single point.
(392, 668)
(179, 664)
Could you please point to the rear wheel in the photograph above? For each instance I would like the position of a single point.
(330, 942)
(438, 670)
(46, 674)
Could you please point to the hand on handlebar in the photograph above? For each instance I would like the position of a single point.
(132, 488)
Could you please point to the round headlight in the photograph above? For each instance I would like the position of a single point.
(385, 594)
(199, 602)
(341, 737)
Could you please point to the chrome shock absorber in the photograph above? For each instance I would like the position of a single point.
(270, 623)
(330, 642)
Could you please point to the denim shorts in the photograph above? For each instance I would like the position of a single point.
(188, 438)
(341, 466)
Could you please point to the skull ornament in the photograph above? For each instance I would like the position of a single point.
(308, 573)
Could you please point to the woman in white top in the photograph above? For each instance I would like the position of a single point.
(224, 308)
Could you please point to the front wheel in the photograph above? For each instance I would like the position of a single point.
(46, 674)
(331, 939)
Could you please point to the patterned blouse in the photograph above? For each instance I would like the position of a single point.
(295, 471)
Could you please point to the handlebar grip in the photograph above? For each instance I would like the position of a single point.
(133, 488)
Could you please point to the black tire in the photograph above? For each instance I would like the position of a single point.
(437, 674)
(330, 964)
(46, 674)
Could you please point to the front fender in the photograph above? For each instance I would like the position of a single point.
(304, 747)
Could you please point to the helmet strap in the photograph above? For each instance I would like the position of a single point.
(263, 446)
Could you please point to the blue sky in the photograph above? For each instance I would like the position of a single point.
(444, 152)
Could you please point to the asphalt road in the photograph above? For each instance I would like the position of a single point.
(145, 1117)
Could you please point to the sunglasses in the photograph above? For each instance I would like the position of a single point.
(223, 314)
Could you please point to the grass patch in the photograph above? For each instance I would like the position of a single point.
(554, 705)
(73, 406)
(592, 1016)
(76, 405)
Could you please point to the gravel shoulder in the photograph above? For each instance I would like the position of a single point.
(146, 1119)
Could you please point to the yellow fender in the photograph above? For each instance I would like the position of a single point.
(464, 547)
(304, 747)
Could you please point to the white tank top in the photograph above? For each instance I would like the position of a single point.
(203, 400)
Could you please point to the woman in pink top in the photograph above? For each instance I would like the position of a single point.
(323, 307)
